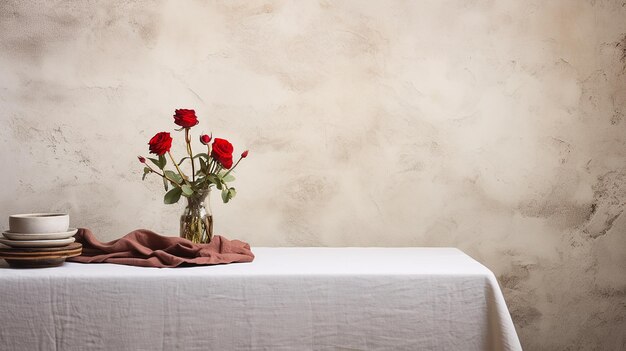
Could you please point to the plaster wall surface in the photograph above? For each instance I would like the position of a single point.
(497, 127)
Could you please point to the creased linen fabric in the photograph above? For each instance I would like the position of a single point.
(287, 299)
(145, 248)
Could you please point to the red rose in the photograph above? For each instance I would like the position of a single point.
(185, 118)
(141, 159)
(160, 143)
(244, 154)
(227, 163)
(223, 152)
(205, 139)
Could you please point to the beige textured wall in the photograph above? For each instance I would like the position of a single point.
(493, 126)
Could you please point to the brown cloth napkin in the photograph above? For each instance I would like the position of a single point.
(145, 248)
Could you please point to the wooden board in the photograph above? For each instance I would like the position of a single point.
(39, 257)
(26, 250)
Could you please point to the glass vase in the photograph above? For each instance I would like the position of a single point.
(196, 222)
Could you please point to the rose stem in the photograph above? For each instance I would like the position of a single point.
(214, 163)
(178, 169)
(233, 167)
(193, 168)
(209, 158)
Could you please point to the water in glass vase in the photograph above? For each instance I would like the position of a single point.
(196, 222)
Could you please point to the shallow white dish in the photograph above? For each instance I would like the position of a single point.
(37, 243)
(39, 223)
(39, 236)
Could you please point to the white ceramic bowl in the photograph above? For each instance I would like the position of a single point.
(39, 223)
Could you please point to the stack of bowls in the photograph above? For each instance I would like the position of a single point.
(35, 230)
(39, 240)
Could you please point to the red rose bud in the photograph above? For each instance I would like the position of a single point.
(160, 143)
(185, 118)
(141, 159)
(205, 139)
(244, 154)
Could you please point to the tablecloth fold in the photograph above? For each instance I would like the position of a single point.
(146, 248)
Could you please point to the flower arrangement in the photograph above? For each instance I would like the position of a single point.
(213, 169)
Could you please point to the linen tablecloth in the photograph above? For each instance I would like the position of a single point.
(287, 299)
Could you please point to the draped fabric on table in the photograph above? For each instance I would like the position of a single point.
(305, 299)
(148, 249)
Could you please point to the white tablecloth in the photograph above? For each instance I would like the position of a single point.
(287, 299)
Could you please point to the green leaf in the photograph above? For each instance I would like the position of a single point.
(165, 184)
(171, 174)
(182, 159)
(155, 161)
(229, 178)
(172, 196)
(162, 161)
(146, 170)
(187, 191)
(202, 164)
(174, 176)
(201, 155)
(212, 178)
(228, 194)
